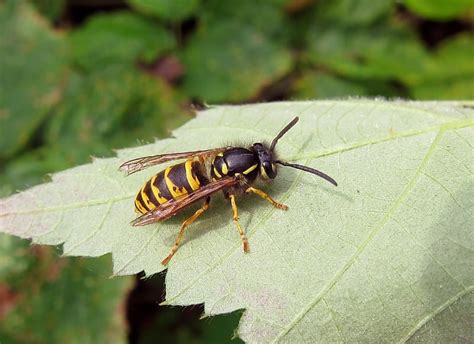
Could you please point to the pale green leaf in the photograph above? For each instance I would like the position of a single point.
(384, 257)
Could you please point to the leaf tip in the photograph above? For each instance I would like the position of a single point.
(164, 303)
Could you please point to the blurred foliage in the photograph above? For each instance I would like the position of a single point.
(355, 54)
(234, 53)
(79, 78)
(44, 299)
(32, 70)
(349, 12)
(139, 108)
(166, 10)
(450, 71)
(95, 45)
(439, 9)
(174, 325)
(325, 85)
(51, 9)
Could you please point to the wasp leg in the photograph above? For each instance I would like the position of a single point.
(266, 197)
(236, 221)
(185, 224)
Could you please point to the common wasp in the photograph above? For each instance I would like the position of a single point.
(233, 170)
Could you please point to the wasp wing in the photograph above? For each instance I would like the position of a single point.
(172, 207)
(141, 163)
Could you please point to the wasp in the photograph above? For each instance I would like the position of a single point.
(233, 170)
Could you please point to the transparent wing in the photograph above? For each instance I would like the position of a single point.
(141, 163)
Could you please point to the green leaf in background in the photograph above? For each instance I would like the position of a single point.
(452, 59)
(51, 9)
(446, 89)
(265, 16)
(32, 61)
(382, 52)
(320, 85)
(354, 12)
(439, 9)
(55, 300)
(235, 52)
(383, 257)
(255, 61)
(13, 263)
(450, 72)
(167, 10)
(116, 106)
(118, 38)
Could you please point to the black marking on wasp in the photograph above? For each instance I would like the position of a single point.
(205, 172)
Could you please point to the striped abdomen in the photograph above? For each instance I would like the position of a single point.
(172, 183)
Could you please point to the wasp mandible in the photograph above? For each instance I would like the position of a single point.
(232, 170)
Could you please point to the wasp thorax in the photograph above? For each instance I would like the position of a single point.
(235, 161)
(265, 157)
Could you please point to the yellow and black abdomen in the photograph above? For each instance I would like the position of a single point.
(173, 182)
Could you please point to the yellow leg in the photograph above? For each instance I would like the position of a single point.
(186, 223)
(243, 237)
(266, 197)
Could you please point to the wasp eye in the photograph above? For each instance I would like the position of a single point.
(268, 170)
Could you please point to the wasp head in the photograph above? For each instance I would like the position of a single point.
(265, 158)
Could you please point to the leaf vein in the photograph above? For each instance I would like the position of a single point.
(136, 254)
(447, 191)
(404, 134)
(369, 238)
(437, 311)
(338, 125)
(318, 126)
(333, 318)
(68, 206)
(93, 232)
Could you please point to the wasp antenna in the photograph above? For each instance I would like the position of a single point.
(308, 169)
(283, 132)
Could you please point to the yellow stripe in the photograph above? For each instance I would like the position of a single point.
(174, 190)
(250, 169)
(146, 200)
(225, 169)
(192, 181)
(156, 191)
(217, 172)
(139, 207)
